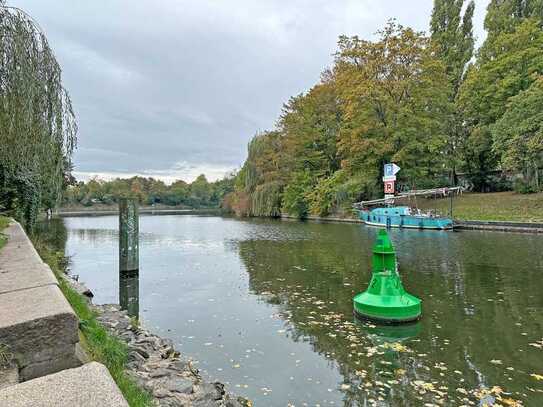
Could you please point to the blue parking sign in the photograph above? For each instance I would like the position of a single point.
(389, 170)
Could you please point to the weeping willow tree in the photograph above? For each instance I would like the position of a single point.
(260, 182)
(37, 123)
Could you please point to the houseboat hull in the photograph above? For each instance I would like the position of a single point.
(399, 217)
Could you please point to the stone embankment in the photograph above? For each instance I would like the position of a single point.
(40, 358)
(41, 363)
(499, 226)
(159, 368)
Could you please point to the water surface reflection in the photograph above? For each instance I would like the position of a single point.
(266, 306)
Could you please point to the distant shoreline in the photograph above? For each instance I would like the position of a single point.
(66, 212)
(502, 226)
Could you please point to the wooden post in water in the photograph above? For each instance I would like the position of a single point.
(129, 292)
(128, 235)
(129, 256)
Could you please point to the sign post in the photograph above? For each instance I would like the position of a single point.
(389, 179)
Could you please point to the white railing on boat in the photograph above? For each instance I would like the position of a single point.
(444, 192)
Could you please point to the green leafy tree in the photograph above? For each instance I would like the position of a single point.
(395, 97)
(518, 134)
(295, 201)
(260, 179)
(200, 191)
(177, 193)
(452, 37)
(149, 191)
(489, 85)
(310, 126)
(37, 124)
(503, 16)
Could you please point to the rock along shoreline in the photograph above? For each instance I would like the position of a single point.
(156, 366)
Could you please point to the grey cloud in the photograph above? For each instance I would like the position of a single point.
(156, 84)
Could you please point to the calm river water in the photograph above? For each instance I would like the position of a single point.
(266, 306)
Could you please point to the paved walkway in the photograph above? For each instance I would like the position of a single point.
(39, 337)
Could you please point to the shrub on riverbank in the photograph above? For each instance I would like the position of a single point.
(97, 342)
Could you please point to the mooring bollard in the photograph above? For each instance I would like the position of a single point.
(128, 235)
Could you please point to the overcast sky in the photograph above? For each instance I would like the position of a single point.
(175, 88)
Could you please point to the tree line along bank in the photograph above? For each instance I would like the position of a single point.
(430, 103)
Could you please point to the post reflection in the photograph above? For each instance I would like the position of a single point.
(129, 296)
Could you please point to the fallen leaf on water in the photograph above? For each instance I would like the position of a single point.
(461, 390)
(496, 390)
(537, 376)
(395, 346)
(399, 372)
(496, 361)
(511, 402)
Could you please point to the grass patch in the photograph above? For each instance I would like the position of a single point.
(498, 206)
(99, 344)
(4, 221)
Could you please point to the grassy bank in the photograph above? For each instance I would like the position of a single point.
(99, 344)
(3, 224)
(498, 206)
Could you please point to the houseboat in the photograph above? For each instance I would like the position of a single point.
(383, 212)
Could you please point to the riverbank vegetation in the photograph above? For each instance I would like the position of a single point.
(96, 341)
(148, 191)
(37, 123)
(446, 114)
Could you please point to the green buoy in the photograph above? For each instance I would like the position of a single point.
(385, 300)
